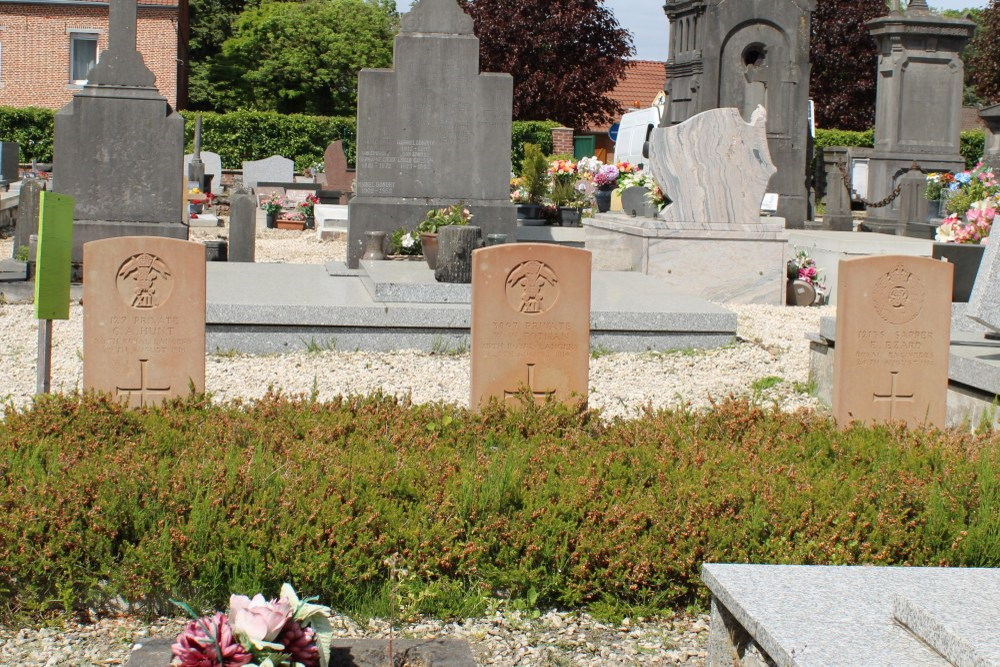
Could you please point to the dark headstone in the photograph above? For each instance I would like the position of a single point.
(337, 175)
(119, 147)
(433, 132)
(837, 216)
(455, 246)
(10, 152)
(242, 228)
(741, 54)
(919, 51)
(912, 202)
(27, 212)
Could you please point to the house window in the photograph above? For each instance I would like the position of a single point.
(83, 56)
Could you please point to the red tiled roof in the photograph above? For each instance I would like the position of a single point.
(642, 82)
(153, 3)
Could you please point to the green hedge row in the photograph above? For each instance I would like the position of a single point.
(971, 146)
(540, 506)
(248, 135)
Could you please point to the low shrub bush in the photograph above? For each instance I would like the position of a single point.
(540, 506)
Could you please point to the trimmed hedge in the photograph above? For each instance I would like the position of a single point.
(971, 146)
(32, 128)
(538, 505)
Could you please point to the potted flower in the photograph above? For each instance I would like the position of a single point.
(534, 182)
(307, 208)
(605, 179)
(456, 214)
(805, 285)
(405, 244)
(272, 205)
(197, 201)
(291, 220)
(565, 196)
(960, 240)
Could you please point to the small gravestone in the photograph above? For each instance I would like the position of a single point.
(27, 212)
(242, 228)
(432, 132)
(10, 153)
(144, 318)
(893, 336)
(275, 169)
(338, 175)
(984, 302)
(213, 167)
(119, 146)
(530, 322)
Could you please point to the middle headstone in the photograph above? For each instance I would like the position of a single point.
(893, 337)
(433, 132)
(530, 322)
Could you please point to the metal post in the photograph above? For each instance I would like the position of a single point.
(44, 379)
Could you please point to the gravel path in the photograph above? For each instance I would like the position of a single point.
(769, 362)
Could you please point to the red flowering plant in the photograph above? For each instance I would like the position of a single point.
(196, 196)
(287, 632)
(803, 267)
(307, 205)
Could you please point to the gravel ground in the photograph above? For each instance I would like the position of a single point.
(769, 362)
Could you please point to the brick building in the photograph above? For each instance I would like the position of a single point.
(48, 46)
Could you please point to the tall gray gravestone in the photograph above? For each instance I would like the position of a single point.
(991, 153)
(27, 212)
(743, 54)
(119, 146)
(432, 132)
(918, 105)
(242, 227)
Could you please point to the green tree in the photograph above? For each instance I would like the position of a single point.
(211, 23)
(986, 54)
(301, 57)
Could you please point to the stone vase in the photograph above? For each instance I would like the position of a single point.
(374, 245)
(966, 257)
(603, 198)
(429, 242)
(455, 246)
(799, 293)
(569, 216)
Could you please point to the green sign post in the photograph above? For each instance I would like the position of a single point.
(53, 264)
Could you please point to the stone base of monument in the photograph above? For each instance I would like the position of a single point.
(204, 220)
(343, 653)
(973, 369)
(331, 221)
(828, 615)
(263, 309)
(85, 231)
(720, 262)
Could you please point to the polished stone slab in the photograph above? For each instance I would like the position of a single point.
(962, 623)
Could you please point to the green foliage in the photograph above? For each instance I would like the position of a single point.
(972, 147)
(539, 505)
(435, 219)
(32, 128)
(826, 138)
(534, 173)
(300, 57)
(985, 50)
(538, 132)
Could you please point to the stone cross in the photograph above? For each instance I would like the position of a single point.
(122, 64)
(538, 394)
(122, 25)
(892, 397)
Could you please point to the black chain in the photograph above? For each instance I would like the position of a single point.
(880, 203)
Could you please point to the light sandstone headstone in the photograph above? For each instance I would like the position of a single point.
(432, 132)
(530, 322)
(714, 167)
(144, 318)
(275, 169)
(892, 340)
(119, 146)
(984, 302)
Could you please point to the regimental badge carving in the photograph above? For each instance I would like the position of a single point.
(532, 288)
(145, 281)
(899, 296)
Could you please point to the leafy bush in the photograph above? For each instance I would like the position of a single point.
(540, 505)
(972, 147)
(32, 128)
(538, 132)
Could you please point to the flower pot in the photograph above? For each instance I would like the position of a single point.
(429, 242)
(310, 222)
(569, 216)
(528, 211)
(603, 198)
(799, 293)
(297, 225)
(195, 209)
(966, 257)
(374, 245)
(269, 219)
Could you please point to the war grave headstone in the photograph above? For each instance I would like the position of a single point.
(432, 132)
(275, 169)
(741, 55)
(119, 146)
(919, 51)
(893, 331)
(715, 169)
(10, 152)
(144, 318)
(530, 322)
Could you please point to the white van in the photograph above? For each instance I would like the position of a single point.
(633, 133)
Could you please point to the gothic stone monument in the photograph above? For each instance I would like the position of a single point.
(119, 146)
(893, 337)
(144, 318)
(432, 132)
(743, 54)
(919, 101)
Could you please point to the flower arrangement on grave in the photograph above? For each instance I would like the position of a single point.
(976, 226)
(456, 214)
(518, 192)
(562, 171)
(405, 242)
(293, 216)
(963, 189)
(196, 196)
(307, 206)
(272, 204)
(803, 267)
(606, 176)
(588, 166)
(287, 632)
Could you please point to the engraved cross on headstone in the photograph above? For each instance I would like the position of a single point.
(144, 391)
(892, 397)
(537, 393)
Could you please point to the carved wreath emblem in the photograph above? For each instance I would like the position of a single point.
(532, 287)
(144, 281)
(899, 296)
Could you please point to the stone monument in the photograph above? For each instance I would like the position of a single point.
(337, 175)
(893, 337)
(119, 146)
(274, 169)
(991, 151)
(432, 132)
(744, 54)
(918, 104)
(530, 322)
(144, 322)
(242, 227)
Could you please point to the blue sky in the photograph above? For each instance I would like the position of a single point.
(648, 24)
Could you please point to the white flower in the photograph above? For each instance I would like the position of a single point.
(408, 241)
